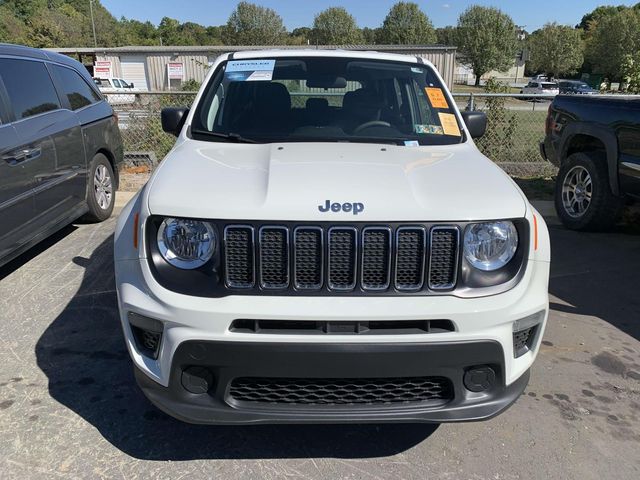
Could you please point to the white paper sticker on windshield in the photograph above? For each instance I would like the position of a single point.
(249, 70)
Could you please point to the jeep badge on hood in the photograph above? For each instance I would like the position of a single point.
(347, 207)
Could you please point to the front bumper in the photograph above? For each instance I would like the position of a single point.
(228, 360)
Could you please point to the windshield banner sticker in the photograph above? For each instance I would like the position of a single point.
(429, 129)
(449, 124)
(249, 70)
(437, 98)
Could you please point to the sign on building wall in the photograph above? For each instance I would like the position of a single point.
(102, 68)
(175, 71)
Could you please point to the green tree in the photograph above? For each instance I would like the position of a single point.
(370, 35)
(299, 36)
(487, 39)
(135, 32)
(613, 39)
(336, 26)
(12, 29)
(251, 24)
(590, 20)
(556, 50)
(406, 24)
(447, 36)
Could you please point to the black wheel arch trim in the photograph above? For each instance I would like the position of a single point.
(605, 135)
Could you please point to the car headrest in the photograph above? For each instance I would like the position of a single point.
(272, 97)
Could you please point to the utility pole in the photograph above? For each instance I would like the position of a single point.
(93, 24)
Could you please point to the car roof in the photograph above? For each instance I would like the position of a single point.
(28, 52)
(337, 53)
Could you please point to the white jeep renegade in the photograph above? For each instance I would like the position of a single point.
(325, 243)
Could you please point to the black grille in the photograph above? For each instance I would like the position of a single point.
(239, 257)
(410, 258)
(274, 257)
(376, 256)
(340, 391)
(443, 259)
(342, 258)
(372, 259)
(308, 260)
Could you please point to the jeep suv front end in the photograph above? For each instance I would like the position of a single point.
(333, 248)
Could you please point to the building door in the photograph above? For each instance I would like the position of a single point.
(134, 70)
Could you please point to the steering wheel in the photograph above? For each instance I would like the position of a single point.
(373, 123)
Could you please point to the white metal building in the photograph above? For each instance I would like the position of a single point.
(164, 68)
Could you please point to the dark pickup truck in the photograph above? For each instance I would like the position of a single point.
(595, 141)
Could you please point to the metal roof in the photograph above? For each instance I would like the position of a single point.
(239, 48)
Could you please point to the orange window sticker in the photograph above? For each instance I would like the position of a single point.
(449, 124)
(436, 97)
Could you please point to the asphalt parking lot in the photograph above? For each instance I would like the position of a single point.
(69, 406)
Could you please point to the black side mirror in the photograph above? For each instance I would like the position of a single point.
(131, 85)
(476, 123)
(173, 119)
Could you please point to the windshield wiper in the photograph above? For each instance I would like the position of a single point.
(234, 137)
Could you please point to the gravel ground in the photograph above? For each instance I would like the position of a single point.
(69, 406)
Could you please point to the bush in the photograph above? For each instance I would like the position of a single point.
(502, 126)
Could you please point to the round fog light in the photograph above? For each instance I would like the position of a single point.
(479, 379)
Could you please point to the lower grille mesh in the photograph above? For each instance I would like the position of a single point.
(340, 391)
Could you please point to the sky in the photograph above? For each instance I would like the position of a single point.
(531, 14)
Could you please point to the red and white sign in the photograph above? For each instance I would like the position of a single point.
(102, 69)
(175, 71)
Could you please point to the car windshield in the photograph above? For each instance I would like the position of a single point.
(326, 99)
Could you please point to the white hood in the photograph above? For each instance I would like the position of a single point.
(288, 181)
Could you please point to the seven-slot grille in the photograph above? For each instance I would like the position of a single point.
(341, 258)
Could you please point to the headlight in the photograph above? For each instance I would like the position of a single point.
(490, 246)
(186, 244)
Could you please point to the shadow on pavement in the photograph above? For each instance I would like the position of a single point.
(34, 251)
(85, 359)
(598, 274)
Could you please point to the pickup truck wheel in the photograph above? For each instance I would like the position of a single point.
(101, 194)
(583, 198)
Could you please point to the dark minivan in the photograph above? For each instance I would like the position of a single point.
(60, 147)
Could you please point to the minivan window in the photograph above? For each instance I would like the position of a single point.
(326, 99)
(29, 86)
(77, 91)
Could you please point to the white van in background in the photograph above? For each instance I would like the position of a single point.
(117, 90)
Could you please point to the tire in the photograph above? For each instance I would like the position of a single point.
(583, 197)
(101, 194)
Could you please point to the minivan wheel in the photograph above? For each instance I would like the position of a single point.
(101, 195)
(583, 198)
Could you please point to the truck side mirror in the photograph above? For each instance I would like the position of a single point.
(173, 119)
(476, 123)
(131, 85)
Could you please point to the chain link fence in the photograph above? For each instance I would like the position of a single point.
(515, 127)
(139, 120)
